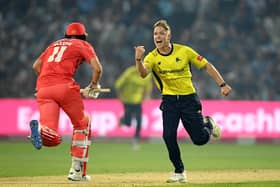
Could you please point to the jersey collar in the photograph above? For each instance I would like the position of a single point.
(167, 53)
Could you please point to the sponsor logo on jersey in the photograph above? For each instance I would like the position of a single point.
(199, 58)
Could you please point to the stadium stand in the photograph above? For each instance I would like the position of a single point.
(241, 37)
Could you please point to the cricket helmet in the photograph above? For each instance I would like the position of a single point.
(76, 29)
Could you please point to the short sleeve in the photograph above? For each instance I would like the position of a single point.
(196, 59)
(88, 52)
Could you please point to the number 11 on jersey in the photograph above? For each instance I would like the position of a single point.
(57, 54)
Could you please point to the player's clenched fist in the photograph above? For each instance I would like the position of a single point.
(139, 51)
(225, 90)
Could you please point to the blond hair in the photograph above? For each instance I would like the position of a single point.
(162, 23)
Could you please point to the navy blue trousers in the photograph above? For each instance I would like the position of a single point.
(186, 108)
(130, 111)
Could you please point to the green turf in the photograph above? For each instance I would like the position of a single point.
(21, 159)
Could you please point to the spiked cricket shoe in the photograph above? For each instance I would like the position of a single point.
(216, 131)
(178, 177)
(76, 175)
(35, 136)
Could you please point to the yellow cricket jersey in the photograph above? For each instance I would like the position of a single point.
(171, 72)
(131, 87)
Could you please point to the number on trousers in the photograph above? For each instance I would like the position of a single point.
(57, 54)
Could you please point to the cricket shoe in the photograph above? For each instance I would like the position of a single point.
(216, 130)
(35, 136)
(178, 177)
(76, 175)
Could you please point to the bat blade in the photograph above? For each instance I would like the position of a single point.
(101, 90)
(104, 90)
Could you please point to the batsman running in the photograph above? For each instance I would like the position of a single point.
(56, 88)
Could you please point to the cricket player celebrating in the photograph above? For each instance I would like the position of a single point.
(56, 88)
(170, 65)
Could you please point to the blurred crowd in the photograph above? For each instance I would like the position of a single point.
(240, 37)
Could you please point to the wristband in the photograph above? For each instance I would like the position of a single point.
(138, 59)
(223, 84)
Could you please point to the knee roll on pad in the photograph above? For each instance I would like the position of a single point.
(50, 137)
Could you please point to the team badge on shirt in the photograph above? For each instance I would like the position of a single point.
(178, 59)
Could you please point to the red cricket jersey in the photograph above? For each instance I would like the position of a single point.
(61, 60)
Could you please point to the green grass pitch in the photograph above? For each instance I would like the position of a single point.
(21, 159)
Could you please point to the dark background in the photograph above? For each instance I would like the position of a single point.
(240, 37)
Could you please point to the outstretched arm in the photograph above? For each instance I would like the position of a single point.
(214, 73)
